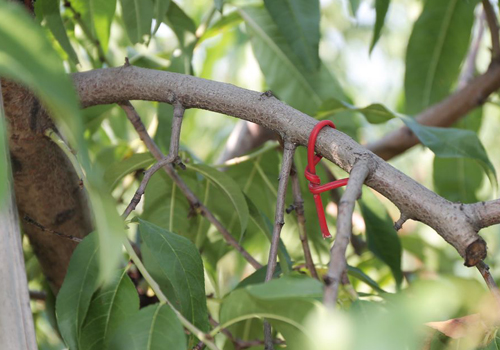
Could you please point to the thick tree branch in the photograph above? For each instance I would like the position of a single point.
(191, 197)
(419, 203)
(338, 264)
(442, 114)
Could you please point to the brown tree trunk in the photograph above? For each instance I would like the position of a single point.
(46, 186)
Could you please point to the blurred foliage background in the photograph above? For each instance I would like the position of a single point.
(244, 46)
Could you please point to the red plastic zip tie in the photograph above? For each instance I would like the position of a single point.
(315, 186)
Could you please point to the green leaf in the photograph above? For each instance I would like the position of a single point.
(298, 22)
(263, 223)
(230, 188)
(52, 15)
(458, 179)
(79, 285)
(363, 277)
(117, 171)
(155, 327)
(292, 286)
(221, 26)
(453, 143)
(381, 237)
(103, 13)
(259, 276)
(437, 46)
(219, 4)
(284, 72)
(354, 6)
(374, 113)
(137, 16)
(110, 307)
(161, 7)
(185, 31)
(273, 301)
(174, 262)
(381, 7)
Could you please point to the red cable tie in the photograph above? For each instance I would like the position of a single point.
(315, 186)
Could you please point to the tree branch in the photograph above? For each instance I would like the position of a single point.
(338, 264)
(279, 221)
(484, 214)
(104, 86)
(191, 197)
(491, 18)
(298, 206)
(442, 114)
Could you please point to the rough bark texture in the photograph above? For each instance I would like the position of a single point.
(414, 200)
(46, 186)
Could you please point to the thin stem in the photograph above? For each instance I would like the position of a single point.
(298, 204)
(142, 188)
(207, 339)
(491, 18)
(286, 165)
(190, 196)
(490, 282)
(338, 263)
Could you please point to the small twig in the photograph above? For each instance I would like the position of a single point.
(173, 152)
(338, 263)
(190, 196)
(491, 18)
(298, 205)
(142, 188)
(286, 165)
(199, 346)
(490, 282)
(240, 344)
(33, 222)
(38, 295)
(399, 224)
(469, 66)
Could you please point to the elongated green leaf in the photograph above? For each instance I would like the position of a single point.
(437, 46)
(381, 237)
(155, 327)
(259, 276)
(381, 7)
(458, 179)
(76, 292)
(453, 143)
(284, 72)
(230, 188)
(354, 6)
(52, 15)
(137, 16)
(273, 301)
(103, 13)
(360, 275)
(110, 307)
(374, 113)
(161, 7)
(221, 25)
(298, 22)
(118, 171)
(219, 4)
(185, 31)
(174, 262)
